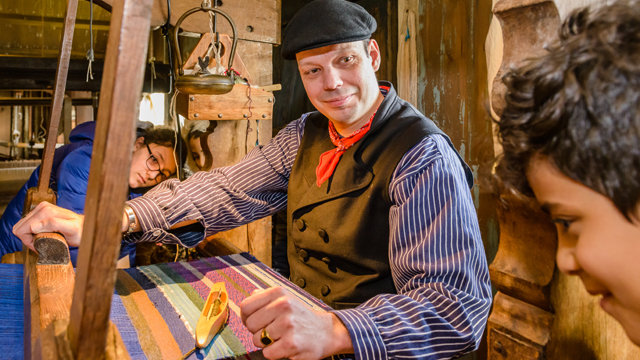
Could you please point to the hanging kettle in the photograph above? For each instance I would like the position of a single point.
(207, 84)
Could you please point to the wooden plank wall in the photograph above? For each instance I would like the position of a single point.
(452, 91)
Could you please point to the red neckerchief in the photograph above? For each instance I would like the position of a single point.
(329, 160)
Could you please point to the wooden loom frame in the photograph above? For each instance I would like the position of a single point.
(67, 314)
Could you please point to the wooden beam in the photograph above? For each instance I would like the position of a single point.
(256, 20)
(239, 104)
(520, 270)
(48, 291)
(49, 280)
(528, 26)
(120, 92)
(58, 96)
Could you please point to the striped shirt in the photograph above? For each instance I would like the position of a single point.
(435, 251)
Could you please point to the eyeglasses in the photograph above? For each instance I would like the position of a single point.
(154, 165)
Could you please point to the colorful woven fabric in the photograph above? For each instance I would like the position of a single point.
(158, 306)
(12, 314)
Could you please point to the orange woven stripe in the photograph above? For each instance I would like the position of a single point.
(154, 331)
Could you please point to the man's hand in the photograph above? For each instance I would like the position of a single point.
(298, 331)
(49, 218)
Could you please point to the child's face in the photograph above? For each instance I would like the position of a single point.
(595, 242)
(196, 152)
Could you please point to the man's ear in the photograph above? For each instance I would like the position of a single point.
(139, 142)
(374, 54)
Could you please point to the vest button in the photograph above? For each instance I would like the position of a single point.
(300, 224)
(302, 254)
(325, 290)
(301, 283)
(323, 235)
(326, 260)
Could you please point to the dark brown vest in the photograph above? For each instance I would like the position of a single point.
(338, 233)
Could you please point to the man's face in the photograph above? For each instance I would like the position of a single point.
(595, 242)
(341, 83)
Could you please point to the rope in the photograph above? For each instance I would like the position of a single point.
(152, 65)
(90, 55)
(176, 121)
(165, 32)
(246, 137)
(217, 46)
(44, 130)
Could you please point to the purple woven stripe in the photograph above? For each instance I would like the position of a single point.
(233, 274)
(171, 317)
(128, 332)
(201, 288)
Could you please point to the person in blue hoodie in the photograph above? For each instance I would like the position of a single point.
(153, 161)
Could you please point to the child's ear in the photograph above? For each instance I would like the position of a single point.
(139, 142)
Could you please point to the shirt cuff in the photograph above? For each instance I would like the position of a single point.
(152, 222)
(366, 339)
(148, 214)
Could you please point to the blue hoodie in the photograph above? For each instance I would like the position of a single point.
(69, 180)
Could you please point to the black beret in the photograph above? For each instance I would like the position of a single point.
(326, 22)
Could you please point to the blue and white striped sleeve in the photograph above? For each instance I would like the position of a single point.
(222, 198)
(437, 261)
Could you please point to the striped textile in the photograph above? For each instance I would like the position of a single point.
(436, 252)
(157, 307)
(12, 314)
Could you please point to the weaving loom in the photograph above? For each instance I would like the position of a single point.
(156, 307)
(51, 311)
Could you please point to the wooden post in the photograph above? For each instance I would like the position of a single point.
(110, 165)
(519, 326)
(48, 283)
(58, 96)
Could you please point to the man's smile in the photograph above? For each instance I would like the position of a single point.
(338, 101)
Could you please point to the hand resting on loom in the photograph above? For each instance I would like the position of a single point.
(296, 330)
(50, 218)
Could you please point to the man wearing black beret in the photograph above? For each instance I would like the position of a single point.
(381, 223)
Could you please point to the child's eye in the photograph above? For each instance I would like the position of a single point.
(312, 71)
(563, 223)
